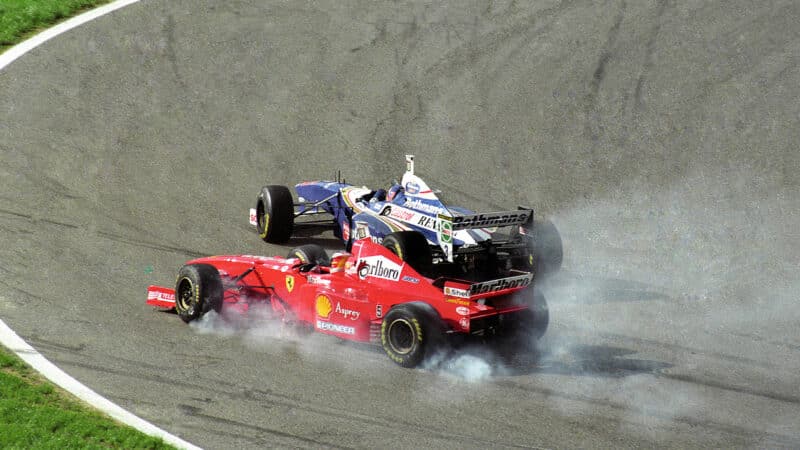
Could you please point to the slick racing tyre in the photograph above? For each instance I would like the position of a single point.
(275, 214)
(546, 248)
(526, 327)
(310, 254)
(411, 247)
(411, 333)
(198, 290)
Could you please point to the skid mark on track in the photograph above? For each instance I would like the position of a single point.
(767, 341)
(743, 432)
(593, 127)
(663, 345)
(793, 399)
(144, 244)
(31, 218)
(468, 54)
(107, 235)
(271, 398)
(650, 48)
(104, 234)
(196, 412)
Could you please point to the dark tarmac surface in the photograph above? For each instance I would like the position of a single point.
(660, 136)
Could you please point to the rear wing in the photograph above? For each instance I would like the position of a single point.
(448, 225)
(491, 288)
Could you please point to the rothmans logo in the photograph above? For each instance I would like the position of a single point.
(501, 284)
(498, 219)
(378, 267)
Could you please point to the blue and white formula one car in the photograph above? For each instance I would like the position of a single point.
(412, 221)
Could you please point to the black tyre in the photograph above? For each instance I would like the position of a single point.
(275, 214)
(198, 290)
(411, 332)
(546, 247)
(310, 254)
(529, 325)
(411, 247)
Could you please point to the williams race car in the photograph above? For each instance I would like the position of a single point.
(368, 295)
(473, 245)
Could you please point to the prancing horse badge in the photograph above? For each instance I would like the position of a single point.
(289, 283)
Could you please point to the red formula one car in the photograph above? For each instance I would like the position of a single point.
(368, 295)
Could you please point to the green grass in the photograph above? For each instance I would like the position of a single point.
(36, 414)
(19, 19)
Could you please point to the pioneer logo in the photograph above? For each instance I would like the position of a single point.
(501, 284)
(335, 327)
(378, 267)
(498, 219)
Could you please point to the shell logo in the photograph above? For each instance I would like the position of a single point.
(324, 307)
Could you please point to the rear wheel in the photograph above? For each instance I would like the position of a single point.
(275, 214)
(411, 247)
(198, 290)
(310, 254)
(411, 333)
(525, 327)
(545, 248)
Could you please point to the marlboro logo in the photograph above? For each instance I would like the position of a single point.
(501, 284)
(378, 267)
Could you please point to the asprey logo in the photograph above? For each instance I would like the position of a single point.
(346, 313)
(378, 267)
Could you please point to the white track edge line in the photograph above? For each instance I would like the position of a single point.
(35, 359)
(8, 337)
(23, 47)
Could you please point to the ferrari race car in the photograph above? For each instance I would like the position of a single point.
(368, 295)
(477, 246)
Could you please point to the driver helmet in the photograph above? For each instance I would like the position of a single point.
(380, 196)
(338, 261)
(393, 191)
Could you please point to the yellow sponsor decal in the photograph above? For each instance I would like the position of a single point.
(266, 226)
(457, 301)
(418, 327)
(324, 307)
(289, 283)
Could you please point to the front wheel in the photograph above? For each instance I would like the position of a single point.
(411, 333)
(197, 291)
(275, 214)
(310, 254)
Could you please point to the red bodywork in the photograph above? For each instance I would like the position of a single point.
(351, 302)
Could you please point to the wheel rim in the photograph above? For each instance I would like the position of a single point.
(401, 336)
(185, 295)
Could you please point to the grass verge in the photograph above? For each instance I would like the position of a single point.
(19, 19)
(36, 414)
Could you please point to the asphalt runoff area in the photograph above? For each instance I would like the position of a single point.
(659, 136)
